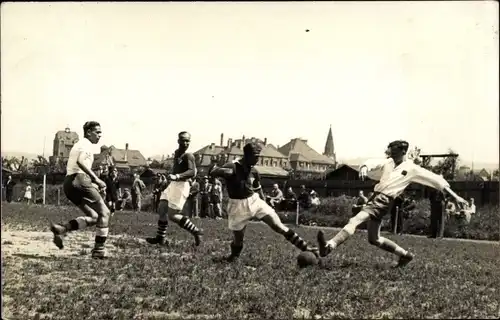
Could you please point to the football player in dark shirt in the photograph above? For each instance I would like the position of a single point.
(246, 201)
(174, 197)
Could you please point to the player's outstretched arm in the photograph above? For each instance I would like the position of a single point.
(221, 172)
(430, 179)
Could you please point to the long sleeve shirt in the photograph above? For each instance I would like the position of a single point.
(395, 179)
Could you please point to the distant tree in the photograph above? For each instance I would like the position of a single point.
(447, 166)
(155, 164)
(414, 155)
(15, 164)
(496, 175)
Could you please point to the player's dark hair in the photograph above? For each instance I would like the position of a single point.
(111, 168)
(182, 133)
(90, 125)
(399, 144)
(252, 148)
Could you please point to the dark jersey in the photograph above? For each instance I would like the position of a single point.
(184, 165)
(241, 184)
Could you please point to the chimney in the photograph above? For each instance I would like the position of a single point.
(222, 139)
(243, 140)
(265, 141)
(212, 146)
(125, 157)
(229, 143)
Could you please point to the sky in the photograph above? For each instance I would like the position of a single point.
(426, 72)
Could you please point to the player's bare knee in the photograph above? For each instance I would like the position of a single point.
(275, 223)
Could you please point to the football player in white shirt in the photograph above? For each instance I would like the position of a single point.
(397, 174)
(82, 187)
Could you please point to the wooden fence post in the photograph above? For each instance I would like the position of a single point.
(297, 215)
(396, 218)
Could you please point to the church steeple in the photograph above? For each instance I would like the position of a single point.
(329, 148)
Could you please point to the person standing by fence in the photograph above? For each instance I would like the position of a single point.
(216, 199)
(137, 187)
(205, 190)
(27, 193)
(113, 190)
(436, 199)
(9, 189)
(192, 203)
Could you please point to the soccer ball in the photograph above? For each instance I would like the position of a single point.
(306, 259)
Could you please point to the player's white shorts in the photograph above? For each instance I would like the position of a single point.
(241, 211)
(176, 194)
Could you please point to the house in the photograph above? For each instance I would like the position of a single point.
(271, 161)
(348, 172)
(63, 142)
(123, 159)
(304, 159)
(465, 173)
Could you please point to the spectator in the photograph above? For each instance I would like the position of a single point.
(125, 197)
(9, 188)
(137, 187)
(359, 203)
(304, 198)
(216, 199)
(160, 185)
(275, 197)
(467, 212)
(315, 199)
(27, 192)
(290, 199)
(436, 199)
(192, 203)
(113, 190)
(205, 190)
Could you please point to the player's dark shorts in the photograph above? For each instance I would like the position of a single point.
(378, 205)
(78, 189)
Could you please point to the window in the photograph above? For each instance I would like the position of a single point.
(266, 162)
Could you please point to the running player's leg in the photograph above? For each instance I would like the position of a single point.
(325, 247)
(265, 213)
(176, 195)
(175, 215)
(375, 239)
(161, 233)
(236, 244)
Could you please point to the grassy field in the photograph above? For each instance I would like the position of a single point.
(448, 279)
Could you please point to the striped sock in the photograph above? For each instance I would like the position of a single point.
(79, 223)
(186, 224)
(162, 229)
(296, 240)
(101, 234)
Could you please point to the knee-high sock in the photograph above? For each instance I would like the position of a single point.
(80, 223)
(296, 240)
(162, 229)
(101, 234)
(186, 224)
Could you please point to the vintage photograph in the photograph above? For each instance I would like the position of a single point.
(250, 160)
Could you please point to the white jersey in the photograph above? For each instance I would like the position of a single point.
(395, 179)
(82, 146)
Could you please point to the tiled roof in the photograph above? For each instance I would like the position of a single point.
(207, 152)
(134, 157)
(300, 146)
(372, 174)
(270, 151)
(298, 157)
(271, 171)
